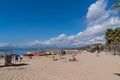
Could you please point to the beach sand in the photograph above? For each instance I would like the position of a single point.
(88, 67)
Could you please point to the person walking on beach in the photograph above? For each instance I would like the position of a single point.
(97, 50)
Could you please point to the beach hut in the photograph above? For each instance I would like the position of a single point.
(8, 56)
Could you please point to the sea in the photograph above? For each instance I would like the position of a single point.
(13, 50)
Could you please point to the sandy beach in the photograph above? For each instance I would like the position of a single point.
(88, 67)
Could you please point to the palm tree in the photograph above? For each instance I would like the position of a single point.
(113, 39)
(117, 34)
(109, 38)
(113, 35)
(117, 38)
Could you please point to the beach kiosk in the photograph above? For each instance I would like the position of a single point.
(7, 57)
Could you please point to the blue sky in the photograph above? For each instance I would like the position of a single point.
(52, 22)
(41, 19)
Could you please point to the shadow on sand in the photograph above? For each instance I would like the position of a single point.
(21, 64)
(118, 74)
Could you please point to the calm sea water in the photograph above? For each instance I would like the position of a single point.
(24, 51)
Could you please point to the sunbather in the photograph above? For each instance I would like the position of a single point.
(73, 58)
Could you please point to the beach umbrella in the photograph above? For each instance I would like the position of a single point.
(30, 53)
(52, 53)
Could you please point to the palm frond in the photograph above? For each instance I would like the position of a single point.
(116, 7)
(116, 2)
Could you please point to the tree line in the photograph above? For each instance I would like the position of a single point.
(112, 37)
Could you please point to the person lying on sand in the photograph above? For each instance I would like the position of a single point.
(55, 59)
(73, 58)
(62, 57)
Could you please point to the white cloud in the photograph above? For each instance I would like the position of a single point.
(97, 12)
(2, 44)
(60, 37)
(98, 20)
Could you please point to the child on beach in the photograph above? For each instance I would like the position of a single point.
(16, 58)
(97, 50)
(21, 57)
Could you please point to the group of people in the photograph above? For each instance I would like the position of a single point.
(18, 58)
(62, 54)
